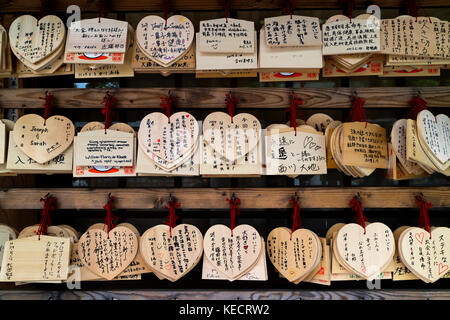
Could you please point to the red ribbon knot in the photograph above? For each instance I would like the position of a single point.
(417, 105)
(167, 103)
(234, 210)
(296, 219)
(172, 223)
(49, 206)
(296, 101)
(231, 102)
(357, 112)
(110, 102)
(359, 217)
(424, 219)
(109, 216)
(48, 104)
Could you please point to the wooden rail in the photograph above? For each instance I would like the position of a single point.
(7, 6)
(258, 98)
(215, 198)
(387, 294)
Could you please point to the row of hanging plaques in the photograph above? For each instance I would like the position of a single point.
(225, 146)
(348, 252)
(291, 48)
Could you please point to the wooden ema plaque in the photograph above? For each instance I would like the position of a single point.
(292, 31)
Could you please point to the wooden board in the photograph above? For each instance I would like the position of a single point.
(180, 5)
(208, 98)
(210, 198)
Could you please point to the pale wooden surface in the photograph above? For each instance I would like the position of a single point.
(204, 98)
(215, 198)
(226, 295)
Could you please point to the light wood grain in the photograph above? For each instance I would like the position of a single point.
(215, 198)
(212, 98)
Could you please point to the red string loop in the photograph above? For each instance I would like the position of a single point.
(48, 104)
(296, 219)
(231, 102)
(424, 219)
(103, 9)
(288, 8)
(359, 217)
(234, 210)
(296, 101)
(357, 112)
(417, 104)
(110, 102)
(226, 7)
(167, 103)
(165, 6)
(45, 8)
(349, 6)
(172, 223)
(49, 206)
(109, 216)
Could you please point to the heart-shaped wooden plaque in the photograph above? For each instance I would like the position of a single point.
(232, 254)
(434, 132)
(233, 138)
(293, 257)
(43, 142)
(425, 255)
(365, 254)
(172, 142)
(34, 40)
(172, 256)
(108, 256)
(163, 43)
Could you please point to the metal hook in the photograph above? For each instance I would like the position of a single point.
(419, 93)
(358, 196)
(171, 198)
(109, 197)
(295, 197)
(233, 198)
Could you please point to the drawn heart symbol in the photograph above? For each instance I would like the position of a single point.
(163, 43)
(232, 139)
(373, 248)
(419, 237)
(43, 142)
(172, 256)
(294, 257)
(435, 133)
(171, 142)
(34, 40)
(107, 256)
(427, 259)
(442, 268)
(226, 252)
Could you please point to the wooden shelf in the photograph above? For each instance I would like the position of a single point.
(187, 5)
(215, 198)
(227, 295)
(205, 98)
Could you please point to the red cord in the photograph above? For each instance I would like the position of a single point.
(231, 102)
(424, 219)
(48, 104)
(296, 219)
(288, 8)
(49, 206)
(349, 6)
(226, 7)
(359, 217)
(110, 102)
(357, 113)
(234, 210)
(417, 105)
(295, 102)
(109, 216)
(172, 223)
(167, 103)
(165, 6)
(103, 11)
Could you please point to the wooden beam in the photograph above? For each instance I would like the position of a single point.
(215, 198)
(206, 98)
(388, 294)
(187, 5)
